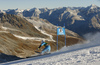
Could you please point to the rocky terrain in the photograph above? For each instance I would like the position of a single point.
(81, 20)
(20, 37)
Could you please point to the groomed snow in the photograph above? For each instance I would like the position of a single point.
(80, 54)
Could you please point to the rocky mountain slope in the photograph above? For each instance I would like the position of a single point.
(22, 36)
(81, 20)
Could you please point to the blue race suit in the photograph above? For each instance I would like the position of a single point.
(47, 48)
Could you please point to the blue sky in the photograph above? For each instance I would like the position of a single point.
(28, 4)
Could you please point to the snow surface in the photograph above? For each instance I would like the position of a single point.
(80, 54)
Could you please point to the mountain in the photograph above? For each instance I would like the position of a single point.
(14, 34)
(21, 31)
(81, 20)
(15, 22)
(20, 36)
(1, 11)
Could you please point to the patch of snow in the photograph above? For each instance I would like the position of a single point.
(93, 6)
(30, 38)
(6, 28)
(26, 9)
(1, 11)
(4, 32)
(43, 32)
(19, 10)
(50, 12)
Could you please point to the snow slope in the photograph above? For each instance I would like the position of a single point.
(80, 54)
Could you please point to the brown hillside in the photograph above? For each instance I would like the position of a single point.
(11, 45)
(15, 22)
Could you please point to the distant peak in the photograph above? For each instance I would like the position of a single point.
(18, 10)
(92, 6)
(1, 11)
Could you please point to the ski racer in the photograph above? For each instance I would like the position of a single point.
(47, 48)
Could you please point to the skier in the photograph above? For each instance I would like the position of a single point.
(47, 48)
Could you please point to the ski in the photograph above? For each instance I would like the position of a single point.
(39, 55)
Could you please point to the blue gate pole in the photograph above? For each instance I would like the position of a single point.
(57, 39)
(65, 35)
(57, 42)
(65, 38)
